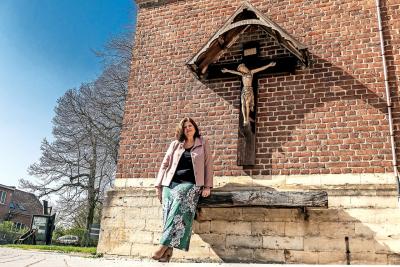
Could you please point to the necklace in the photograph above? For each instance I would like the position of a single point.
(188, 144)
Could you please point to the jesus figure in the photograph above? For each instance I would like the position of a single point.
(247, 95)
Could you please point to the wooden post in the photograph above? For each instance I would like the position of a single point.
(246, 143)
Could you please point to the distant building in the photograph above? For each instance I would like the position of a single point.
(18, 206)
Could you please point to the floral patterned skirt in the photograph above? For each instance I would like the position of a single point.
(179, 208)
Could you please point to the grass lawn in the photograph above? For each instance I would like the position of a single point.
(66, 249)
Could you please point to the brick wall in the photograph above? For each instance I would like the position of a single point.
(323, 126)
(4, 208)
(327, 119)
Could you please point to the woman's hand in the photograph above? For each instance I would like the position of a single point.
(206, 192)
(159, 193)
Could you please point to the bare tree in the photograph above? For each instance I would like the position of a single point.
(80, 163)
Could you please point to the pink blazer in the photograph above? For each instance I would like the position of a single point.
(201, 159)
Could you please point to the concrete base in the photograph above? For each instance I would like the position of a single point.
(361, 220)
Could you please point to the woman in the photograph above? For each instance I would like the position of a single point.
(185, 173)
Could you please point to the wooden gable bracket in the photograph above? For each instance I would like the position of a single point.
(227, 35)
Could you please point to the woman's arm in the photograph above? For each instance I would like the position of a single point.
(164, 164)
(208, 170)
(208, 165)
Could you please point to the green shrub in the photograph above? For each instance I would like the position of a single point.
(8, 232)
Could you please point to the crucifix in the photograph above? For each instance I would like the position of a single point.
(247, 95)
(246, 143)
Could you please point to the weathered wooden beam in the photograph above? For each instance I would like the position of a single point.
(246, 149)
(271, 199)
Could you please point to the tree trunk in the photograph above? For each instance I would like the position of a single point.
(91, 191)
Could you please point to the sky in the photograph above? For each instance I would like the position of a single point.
(46, 48)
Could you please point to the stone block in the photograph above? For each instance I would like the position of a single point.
(332, 257)
(301, 257)
(379, 230)
(113, 222)
(377, 178)
(224, 227)
(140, 237)
(117, 200)
(368, 258)
(228, 214)
(269, 255)
(134, 223)
(295, 229)
(236, 254)
(214, 256)
(268, 228)
(358, 215)
(323, 215)
(151, 213)
(359, 244)
(133, 214)
(197, 241)
(282, 215)
(253, 214)
(304, 179)
(118, 248)
(284, 242)
(324, 244)
(153, 225)
(243, 241)
(195, 253)
(140, 201)
(214, 240)
(311, 228)
(142, 250)
(156, 238)
(386, 216)
(373, 201)
(364, 230)
(388, 246)
(336, 229)
(339, 201)
(114, 216)
(203, 227)
(393, 259)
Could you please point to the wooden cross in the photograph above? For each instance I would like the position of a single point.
(248, 69)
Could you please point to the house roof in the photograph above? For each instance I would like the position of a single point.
(7, 187)
(25, 203)
(245, 17)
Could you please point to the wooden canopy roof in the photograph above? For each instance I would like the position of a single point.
(238, 23)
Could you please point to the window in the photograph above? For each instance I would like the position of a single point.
(17, 225)
(3, 196)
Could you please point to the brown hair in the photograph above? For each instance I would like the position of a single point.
(180, 134)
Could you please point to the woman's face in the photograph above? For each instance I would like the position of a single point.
(188, 129)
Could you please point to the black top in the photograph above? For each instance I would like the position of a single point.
(184, 171)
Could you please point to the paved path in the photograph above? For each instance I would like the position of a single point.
(10, 257)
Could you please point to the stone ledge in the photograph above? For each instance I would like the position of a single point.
(304, 181)
(153, 3)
